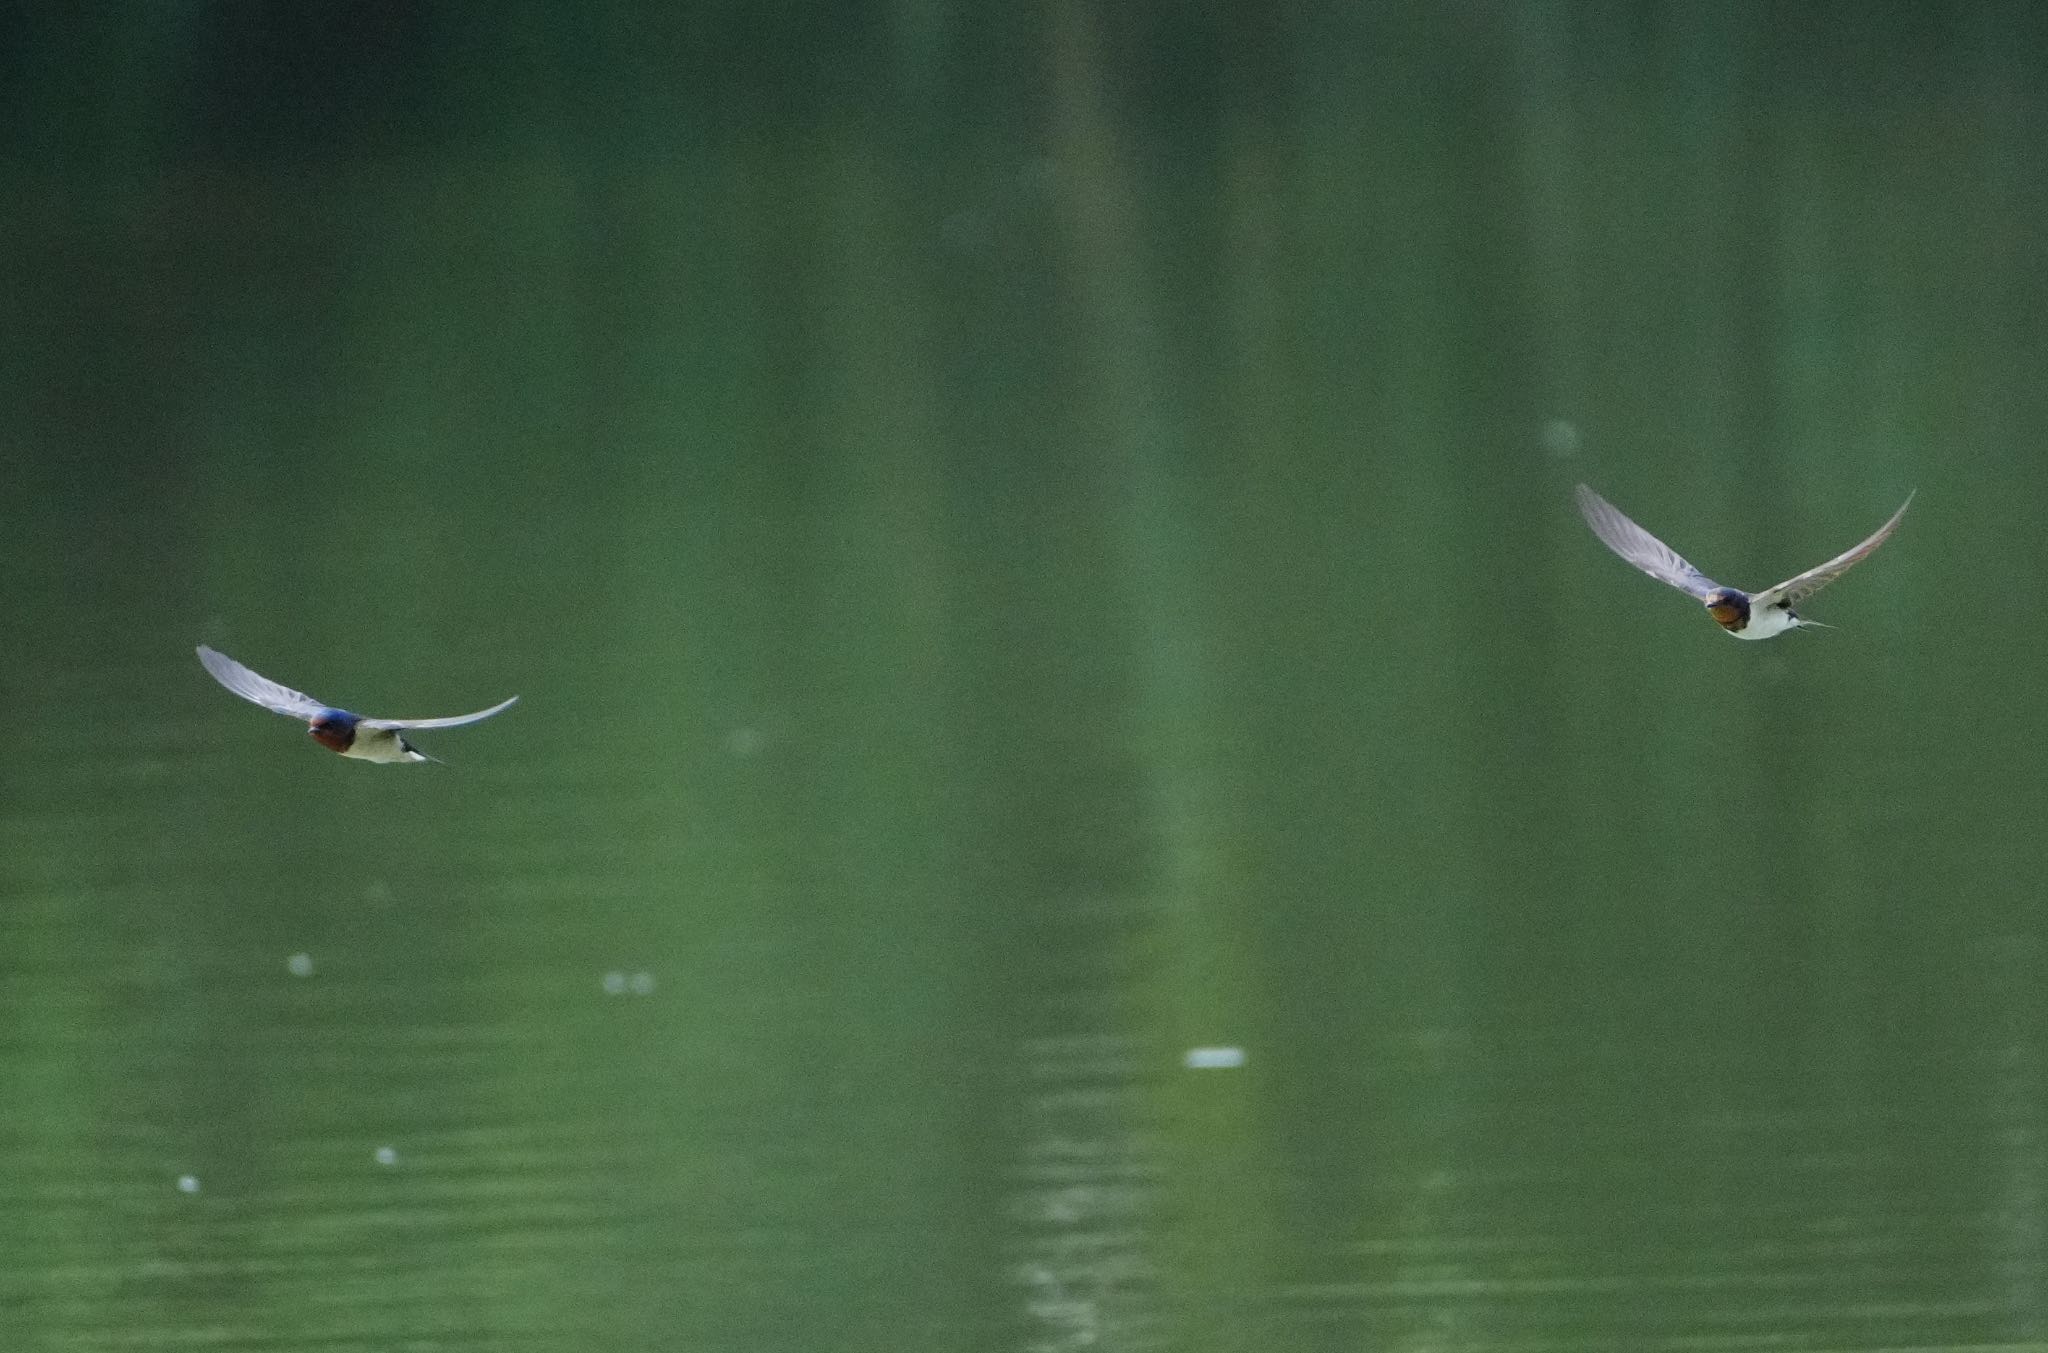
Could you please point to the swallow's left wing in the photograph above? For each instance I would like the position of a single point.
(259, 690)
(453, 721)
(1794, 590)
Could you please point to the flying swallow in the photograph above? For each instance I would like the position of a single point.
(1743, 614)
(335, 729)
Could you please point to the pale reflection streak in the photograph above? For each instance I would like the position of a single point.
(1087, 1192)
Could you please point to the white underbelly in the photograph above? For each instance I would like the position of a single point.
(1765, 621)
(376, 744)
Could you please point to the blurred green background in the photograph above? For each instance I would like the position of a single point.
(1032, 538)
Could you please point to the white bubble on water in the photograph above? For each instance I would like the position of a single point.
(641, 984)
(387, 1155)
(299, 965)
(188, 1183)
(614, 983)
(1213, 1058)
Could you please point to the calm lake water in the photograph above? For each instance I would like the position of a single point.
(1030, 542)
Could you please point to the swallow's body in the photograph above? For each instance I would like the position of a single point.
(338, 730)
(1745, 615)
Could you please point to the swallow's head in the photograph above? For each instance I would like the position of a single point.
(334, 729)
(1729, 607)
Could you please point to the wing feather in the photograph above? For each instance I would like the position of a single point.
(1794, 590)
(259, 690)
(453, 721)
(1639, 547)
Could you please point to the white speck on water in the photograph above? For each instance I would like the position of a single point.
(299, 965)
(614, 983)
(188, 1183)
(1201, 1059)
(387, 1155)
(1561, 439)
(641, 984)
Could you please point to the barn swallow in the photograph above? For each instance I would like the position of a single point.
(1745, 615)
(335, 729)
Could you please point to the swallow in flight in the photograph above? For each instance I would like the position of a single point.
(335, 729)
(1745, 615)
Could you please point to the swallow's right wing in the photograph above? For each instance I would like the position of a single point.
(259, 690)
(1639, 547)
(1794, 590)
(452, 721)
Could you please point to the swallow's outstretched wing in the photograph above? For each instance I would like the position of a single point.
(453, 721)
(298, 705)
(1642, 549)
(259, 690)
(1794, 590)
